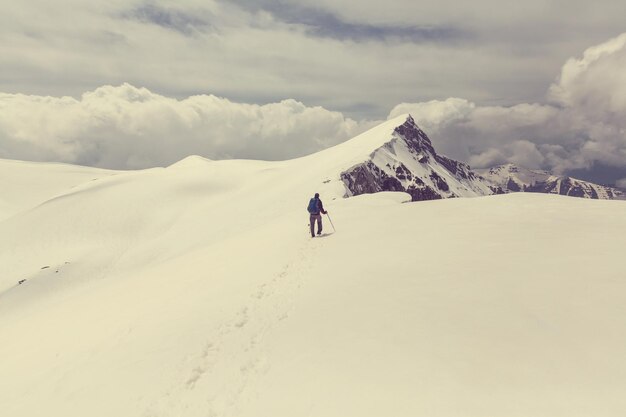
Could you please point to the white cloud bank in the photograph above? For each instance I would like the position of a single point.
(583, 123)
(129, 127)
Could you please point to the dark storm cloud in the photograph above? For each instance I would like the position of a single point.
(177, 20)
(324, 24)
(601, 174)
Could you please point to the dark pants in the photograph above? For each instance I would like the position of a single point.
(315, 218)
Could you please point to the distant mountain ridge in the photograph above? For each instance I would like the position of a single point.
(408, 162)
(512, 178)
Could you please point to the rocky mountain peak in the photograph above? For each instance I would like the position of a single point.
(401, 157)
(415, 137)
(410, 163)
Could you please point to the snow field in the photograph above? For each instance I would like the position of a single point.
(196, 290)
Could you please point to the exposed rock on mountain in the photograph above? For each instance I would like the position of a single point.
(511, 178)
(408, 162)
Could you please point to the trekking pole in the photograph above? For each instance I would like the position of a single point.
(331, 222)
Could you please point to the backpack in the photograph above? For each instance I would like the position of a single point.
(313, 206)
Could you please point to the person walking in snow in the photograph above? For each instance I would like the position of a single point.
(316, 209)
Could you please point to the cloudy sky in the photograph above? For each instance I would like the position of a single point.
(133, 84)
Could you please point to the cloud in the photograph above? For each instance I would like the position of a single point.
(522, 153)
(169, 18)
(346, 60)
(525, 153)
(621, 183)
(581, 126)
(488, 158)
(588, 81)
(487, 135)
(129, 127)
(434, 114)
(323, 23)
(357, 57)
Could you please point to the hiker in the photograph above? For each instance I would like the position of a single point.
(316, 209)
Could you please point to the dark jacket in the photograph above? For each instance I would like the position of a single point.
(320, 208)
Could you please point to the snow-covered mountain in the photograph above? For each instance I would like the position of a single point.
(196, 290)
(511, 178)
(408, 162)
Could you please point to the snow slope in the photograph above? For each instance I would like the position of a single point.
(26, 184)
(195, 290)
